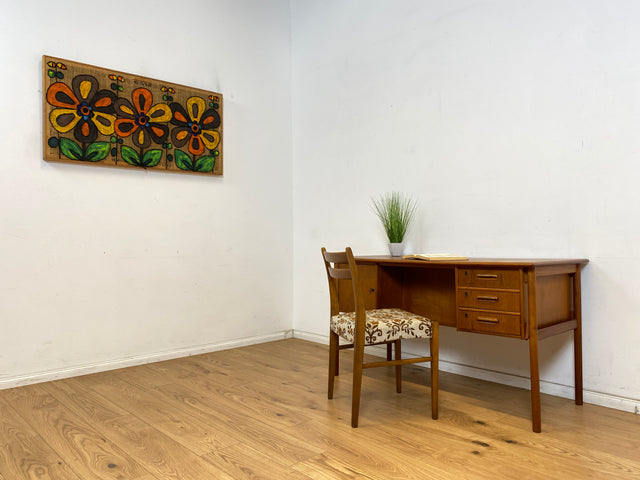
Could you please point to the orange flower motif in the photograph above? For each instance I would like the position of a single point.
(141, 119)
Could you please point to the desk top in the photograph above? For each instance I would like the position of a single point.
(473, 262)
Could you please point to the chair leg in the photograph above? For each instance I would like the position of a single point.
(333, 360)
(433, 345)
(397, 348)
(388, 351)
(358, 358)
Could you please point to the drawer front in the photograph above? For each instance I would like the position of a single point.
(489, 299)
(489, 278)
(489, 322)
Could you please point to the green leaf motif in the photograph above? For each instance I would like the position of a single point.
(151, 158)
(205, 164)
(130, 156)
(71, 149)
(202, 164)
(183, 161)
(97, 151)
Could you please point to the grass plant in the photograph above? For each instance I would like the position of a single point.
(396, 212)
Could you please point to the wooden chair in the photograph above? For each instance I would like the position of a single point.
(361, 328)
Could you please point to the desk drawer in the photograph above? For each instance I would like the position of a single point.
(489, 299)
(489, 322)
(489, 278)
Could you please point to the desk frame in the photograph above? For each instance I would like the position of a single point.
(550, 300)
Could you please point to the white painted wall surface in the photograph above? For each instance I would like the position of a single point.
(102, 266)
(514, 123)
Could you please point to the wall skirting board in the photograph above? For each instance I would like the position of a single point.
(558, 390)
(565, 391)
(76, 371)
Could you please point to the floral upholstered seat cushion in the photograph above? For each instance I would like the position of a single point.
(383, 325)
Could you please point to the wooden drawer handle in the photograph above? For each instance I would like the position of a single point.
(490, 320)
(487, 298)
(487, 275)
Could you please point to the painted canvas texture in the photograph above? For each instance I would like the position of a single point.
(97, 116)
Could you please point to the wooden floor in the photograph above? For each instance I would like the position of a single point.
(261, 412)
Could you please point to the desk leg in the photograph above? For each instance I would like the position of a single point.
(577, 336)
(536, 420)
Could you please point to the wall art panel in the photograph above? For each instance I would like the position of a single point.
(97, 116)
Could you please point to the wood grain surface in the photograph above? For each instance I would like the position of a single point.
(261, 412)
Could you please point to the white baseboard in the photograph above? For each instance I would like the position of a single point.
(558, 390)
(565, 391)
(86, 369)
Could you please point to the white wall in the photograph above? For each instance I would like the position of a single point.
(514, 123)
(100, 267)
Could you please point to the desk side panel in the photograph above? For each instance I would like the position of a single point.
(554, 299)
(369, 284)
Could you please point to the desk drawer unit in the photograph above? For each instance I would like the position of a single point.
(490, 301)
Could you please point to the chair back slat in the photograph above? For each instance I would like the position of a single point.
(340, 273)
(335, 257)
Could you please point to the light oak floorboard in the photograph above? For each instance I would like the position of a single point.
(261, 412)
(80, 444)
(24, 454)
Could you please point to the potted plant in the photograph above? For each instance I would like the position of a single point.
(396, 212)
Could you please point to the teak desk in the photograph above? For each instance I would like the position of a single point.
(528, 299)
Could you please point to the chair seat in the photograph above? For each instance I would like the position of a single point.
(383, 325)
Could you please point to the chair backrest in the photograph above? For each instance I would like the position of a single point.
(342, 266)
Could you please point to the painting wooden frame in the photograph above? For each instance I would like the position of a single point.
(98, 116)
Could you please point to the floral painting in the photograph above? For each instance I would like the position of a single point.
(98, 116)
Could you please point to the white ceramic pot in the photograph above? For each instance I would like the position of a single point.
(396, 249)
